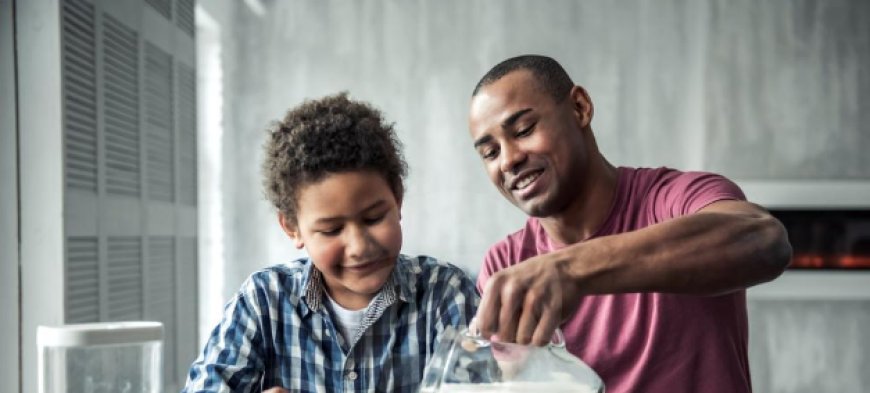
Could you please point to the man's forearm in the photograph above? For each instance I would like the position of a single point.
(707, 253)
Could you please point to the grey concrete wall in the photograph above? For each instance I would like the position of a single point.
(801, 346)
(770, 90)
(755, 91)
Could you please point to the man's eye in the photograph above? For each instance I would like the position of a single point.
(489, 154)
(525, 131)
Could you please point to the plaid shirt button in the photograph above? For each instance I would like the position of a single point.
(351, 375)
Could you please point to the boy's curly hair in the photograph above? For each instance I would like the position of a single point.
(330, 135)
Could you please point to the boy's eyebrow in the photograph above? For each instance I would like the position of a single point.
(375, 205)
(329, 220)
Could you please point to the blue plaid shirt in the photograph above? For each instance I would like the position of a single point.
(277, 331)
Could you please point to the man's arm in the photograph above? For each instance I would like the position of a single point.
(726, 246)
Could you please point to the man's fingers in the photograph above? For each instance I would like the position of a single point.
(511, 301)
(528, 320)
(488, 311)
(546, 327)
(276, 390)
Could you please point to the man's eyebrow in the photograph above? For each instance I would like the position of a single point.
(507, 123)
(482, 140)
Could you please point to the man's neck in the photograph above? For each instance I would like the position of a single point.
(583, 217)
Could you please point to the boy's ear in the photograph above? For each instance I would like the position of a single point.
(291, 230)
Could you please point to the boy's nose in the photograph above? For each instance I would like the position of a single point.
(360, 245)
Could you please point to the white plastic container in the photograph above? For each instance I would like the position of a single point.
(116, 357)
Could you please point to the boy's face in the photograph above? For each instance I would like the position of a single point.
(349, 225)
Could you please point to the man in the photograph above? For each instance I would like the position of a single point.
(643, 269)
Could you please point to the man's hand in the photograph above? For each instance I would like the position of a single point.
(526, 302)
(276, 390)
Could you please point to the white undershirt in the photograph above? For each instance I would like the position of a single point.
(347, 321)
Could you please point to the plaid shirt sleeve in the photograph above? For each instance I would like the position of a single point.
(232, 360)
(458, 303)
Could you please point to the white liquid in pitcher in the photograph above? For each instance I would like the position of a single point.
(511, 387)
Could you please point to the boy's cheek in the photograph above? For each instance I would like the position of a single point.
(325, 256)
(390, 237)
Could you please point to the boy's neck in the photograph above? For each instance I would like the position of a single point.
(347, 299)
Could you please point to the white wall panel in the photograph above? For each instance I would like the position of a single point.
(10, 300)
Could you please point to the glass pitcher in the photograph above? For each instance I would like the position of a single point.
(464, 362)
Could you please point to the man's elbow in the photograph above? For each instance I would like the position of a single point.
(776, 251)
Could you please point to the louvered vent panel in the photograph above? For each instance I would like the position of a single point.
(187, 134)
(121, 105)
(187, 250)
(184, 16)
(125, 278)
(158, 112)
(161, 295)
(79, 96)
(164, 7)
(82, 280)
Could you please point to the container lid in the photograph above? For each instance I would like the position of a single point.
(102, 333)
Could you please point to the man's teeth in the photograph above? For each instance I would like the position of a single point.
(525, 181)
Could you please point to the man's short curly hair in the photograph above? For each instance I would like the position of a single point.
(333, 134)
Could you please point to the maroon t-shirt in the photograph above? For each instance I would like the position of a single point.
(650, 342)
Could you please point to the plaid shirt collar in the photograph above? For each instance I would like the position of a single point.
(402, 284)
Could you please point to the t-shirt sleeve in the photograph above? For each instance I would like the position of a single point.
(690, 192)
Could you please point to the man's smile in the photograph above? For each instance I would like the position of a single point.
(526, 179)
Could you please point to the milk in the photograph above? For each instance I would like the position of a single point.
(517, 387)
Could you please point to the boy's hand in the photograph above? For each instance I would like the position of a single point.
(276, 390)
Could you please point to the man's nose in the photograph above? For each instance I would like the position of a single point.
(511, 158)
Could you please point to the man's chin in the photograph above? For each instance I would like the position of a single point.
(535, 208)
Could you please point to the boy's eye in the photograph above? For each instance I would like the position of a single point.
(375, 220)
(330, 231)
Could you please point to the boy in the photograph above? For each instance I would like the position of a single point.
(355, 315)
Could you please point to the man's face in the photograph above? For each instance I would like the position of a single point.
(532, 147)
(349, 225)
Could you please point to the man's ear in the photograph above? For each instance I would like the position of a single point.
(291, 230)
(582, 105)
